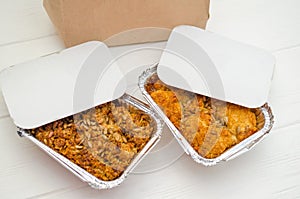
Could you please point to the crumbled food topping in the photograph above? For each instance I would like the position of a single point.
(103, 140)
(211, 126)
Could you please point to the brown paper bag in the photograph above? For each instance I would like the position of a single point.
(118, 22)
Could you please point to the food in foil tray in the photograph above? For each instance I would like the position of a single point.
(210, 126)
(102, 140)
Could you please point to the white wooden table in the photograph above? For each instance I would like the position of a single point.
(270, 170)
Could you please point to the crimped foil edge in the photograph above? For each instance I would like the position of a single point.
(229, 154)
(89, 178)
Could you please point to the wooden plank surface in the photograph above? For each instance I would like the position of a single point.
(23, 21)
(285, 91)
(269, 24)
(271, 170)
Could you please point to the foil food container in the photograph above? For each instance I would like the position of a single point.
(89, 178)
(74, 106)
(265, 117)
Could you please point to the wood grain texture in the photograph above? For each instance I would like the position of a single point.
(28, 50)
(24, 168)
(270, 170)
(23, 21)
(285, 92)
(269, 24)
(3, 108)
(271, 167)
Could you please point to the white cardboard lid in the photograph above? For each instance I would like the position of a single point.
(206, 63)
(62, 84)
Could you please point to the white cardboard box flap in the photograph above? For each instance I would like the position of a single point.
(206, 63)
(62, 84)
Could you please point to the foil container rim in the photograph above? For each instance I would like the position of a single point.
(85, 176)
(229, 154)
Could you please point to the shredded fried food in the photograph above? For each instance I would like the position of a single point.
(211, 126)
(103, 140)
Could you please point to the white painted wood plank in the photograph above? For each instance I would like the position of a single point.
(23, 20)
(25, 170)
(270, 24)
(271, 170)
(170, 183)
(3, 107)
(285, 90)
(167, 183)
(284, 95)
(286, 110)
(25, 51)
(287, 73)
(128, 57)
